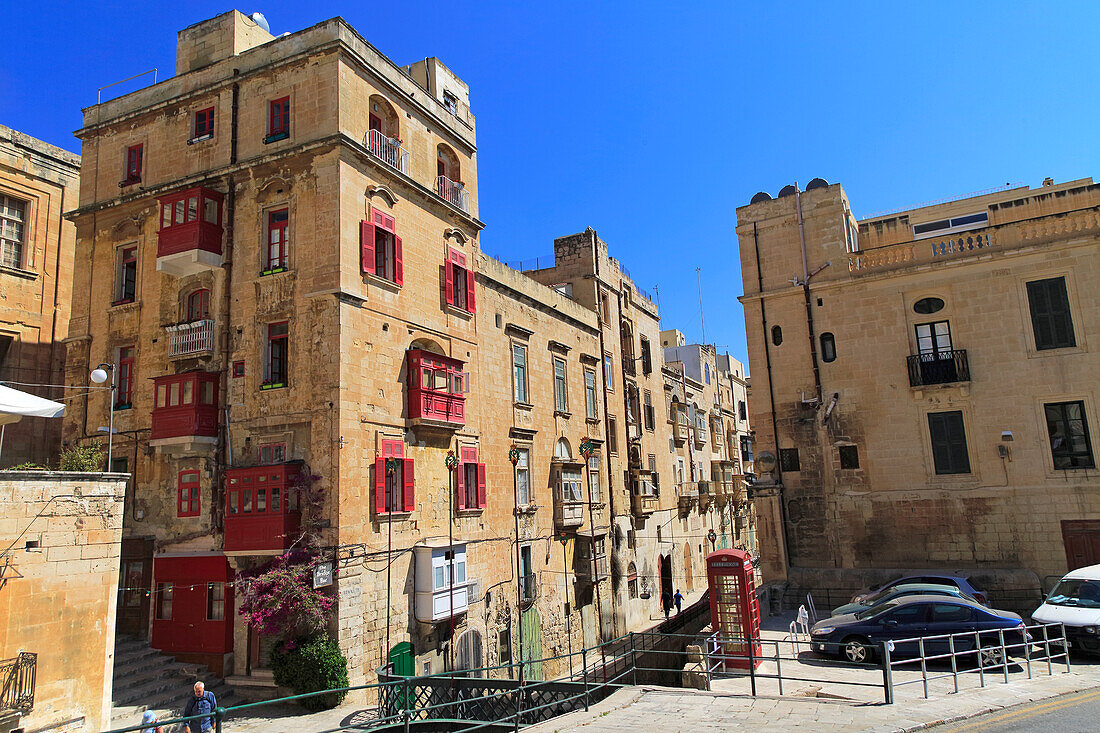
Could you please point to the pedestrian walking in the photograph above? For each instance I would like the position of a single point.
(149, 719)
(679, 599)
(666, 603)
(202, 702)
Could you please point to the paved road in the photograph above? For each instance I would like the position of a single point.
(1074, 713)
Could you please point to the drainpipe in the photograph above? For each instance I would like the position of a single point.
(771, 392)
(806, 295)
(228, 217)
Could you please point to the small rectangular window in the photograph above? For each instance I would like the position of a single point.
(561, 390)
(590, 405)
(788, 459)
(278, 352)
(849, 456)
(612, 436)
(523, 477)
(215, 601)
(1069, 435)
(278, 239)
(204, 124)
(608, 373)
(124, 392)
(949, 452)
(126, 285)
(164, 601)
(187, 494)
(1050, 314)
(647, 359)
(650, 415)
(278, 124)
(594, 479)
(272, 453)
(13, 215)
(519, 373)
(134, 160)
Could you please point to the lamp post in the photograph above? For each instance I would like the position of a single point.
(99, 375)
(451, 462)
(586, 453)
(513, 458)
(391, 467)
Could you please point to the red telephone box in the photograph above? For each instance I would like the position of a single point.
(734, 609)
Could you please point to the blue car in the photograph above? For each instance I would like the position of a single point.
(856, 637)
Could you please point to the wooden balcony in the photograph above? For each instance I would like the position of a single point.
(643, 504)
(262, 509)
(437, 389)
(185, 412)
(568, 514)
(190, 237)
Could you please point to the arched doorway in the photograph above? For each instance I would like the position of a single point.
(665, 562)
(468, 651)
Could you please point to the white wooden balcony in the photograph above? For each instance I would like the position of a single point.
(453, 192)
(190, 339)
(388, 150)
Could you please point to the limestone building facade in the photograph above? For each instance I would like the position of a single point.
(279, 253)
(924, 383)
(38, 183)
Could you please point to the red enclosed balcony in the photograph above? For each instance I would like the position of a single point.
(190, 236)
(437, 389)
(185, 412)
(263, 512)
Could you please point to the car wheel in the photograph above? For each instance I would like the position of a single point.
(991, 656)
(858, 650)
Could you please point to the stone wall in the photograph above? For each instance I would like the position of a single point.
(58, 589)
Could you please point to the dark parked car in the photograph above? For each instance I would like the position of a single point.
(856, 637)
(961, 582)
(900, 591)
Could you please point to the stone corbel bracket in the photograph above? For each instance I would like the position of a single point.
(382, 191)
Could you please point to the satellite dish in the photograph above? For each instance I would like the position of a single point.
(787, 191)
(259, 19)
(765, 462)
(817, 183)
(760, 196)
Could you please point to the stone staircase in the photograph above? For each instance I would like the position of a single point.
(145, 679)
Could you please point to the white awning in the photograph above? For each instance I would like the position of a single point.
(14, 405)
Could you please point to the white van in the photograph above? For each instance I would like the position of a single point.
(1075, 602)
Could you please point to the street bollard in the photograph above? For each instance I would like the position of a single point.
(1004, 652)
(1046, 648)
(584, 664)
(752, 666)
(981, 664)
(219, 714)
(954, 662)
(633, 661)
(1065, 645)
(887, 674)
(1027, 653)
(778, 671)
(923, 666)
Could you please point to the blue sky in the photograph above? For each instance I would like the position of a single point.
(652, 122)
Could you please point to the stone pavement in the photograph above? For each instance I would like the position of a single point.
(671, 710)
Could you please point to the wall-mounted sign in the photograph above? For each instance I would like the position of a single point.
(322, 575)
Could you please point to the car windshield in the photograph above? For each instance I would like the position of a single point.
(1076, 592)
(876, 610)
(876, 597)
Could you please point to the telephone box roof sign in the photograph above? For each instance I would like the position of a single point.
(734, 608)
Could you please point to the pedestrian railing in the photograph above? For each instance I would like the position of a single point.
(1032, 649)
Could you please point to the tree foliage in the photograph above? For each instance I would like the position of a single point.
(311, 664)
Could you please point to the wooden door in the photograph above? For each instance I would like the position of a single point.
(531, 652)
(1081, 538)
(134, 585)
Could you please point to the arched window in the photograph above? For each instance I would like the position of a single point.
(828, 347)
(632, 580)
(777, 335)
(446, 163)
(562, 450)
(198, 305)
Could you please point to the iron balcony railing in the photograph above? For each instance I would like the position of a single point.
(17, 678)
(187, 339)
(388, 150)
(944, 367)
(453, 192)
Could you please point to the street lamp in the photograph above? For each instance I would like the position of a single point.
(99, 375)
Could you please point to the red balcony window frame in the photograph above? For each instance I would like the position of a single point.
(185, 404)
(459, 281)
(277, 241)
(436, 386)
(127, 275)
(198, 305)
(262, 507)
(406, 481)
(124, 393)
(277, 366)
(188, 494)
(278, 116)
(203, 126)
(135, 157)
(190, 219)
(466, 496)
(381, 251)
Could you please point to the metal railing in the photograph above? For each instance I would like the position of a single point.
(388, 150)
(17, 675)
(943, 656)
(454, 193)
(943, 367)
(186, 339)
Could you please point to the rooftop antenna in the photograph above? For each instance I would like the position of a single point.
(702, 326)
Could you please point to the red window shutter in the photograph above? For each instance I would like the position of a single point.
(366, 246)
(470, 291)
(449, 275)
(460, 483)
(410, 485)
(380, 486)
(398, 267)
(481, 485)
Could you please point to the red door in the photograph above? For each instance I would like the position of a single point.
(193, 604)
